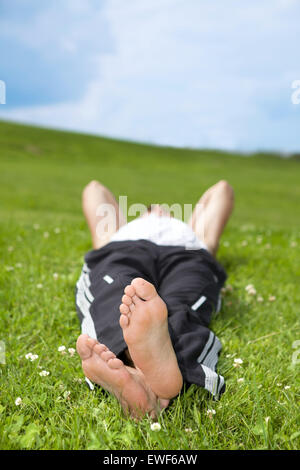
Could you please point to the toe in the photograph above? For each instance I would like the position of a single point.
(91, 342)
(99, 349)
(124, 309)
(126, 300)
(163, 403)
(124, 321)
(83, 348)
(129, 290)
(106, 355)
(144, 289)
(115, 363)
(136, 300)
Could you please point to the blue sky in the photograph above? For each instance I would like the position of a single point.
(188, 73)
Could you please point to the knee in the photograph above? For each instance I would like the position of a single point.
(92, 184)
(225, 188)
(91, 187)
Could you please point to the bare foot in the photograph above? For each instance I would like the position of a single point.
(145, 328)
(101, 366)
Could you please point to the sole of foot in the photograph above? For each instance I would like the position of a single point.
(144, 321)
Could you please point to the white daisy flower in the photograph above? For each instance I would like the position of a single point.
(71, 351)
(77, 380)
(241, 380)
(249, 286)
(237, 362)
(61, 348)
(44, 373)
(250, 289)
(155, 427)
(39, 286)
(272, 298)
(31, 356)
(287, 387)
(18, 401)
(55, 276)
(210, 413)
(260, 298)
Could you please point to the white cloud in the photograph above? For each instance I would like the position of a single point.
(185, 73)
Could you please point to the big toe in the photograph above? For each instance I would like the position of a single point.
(83, 346)
(144, 289)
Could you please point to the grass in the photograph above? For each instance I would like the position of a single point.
(42, 175)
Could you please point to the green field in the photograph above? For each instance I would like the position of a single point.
(43, 239)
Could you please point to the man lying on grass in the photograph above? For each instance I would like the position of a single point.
(164, 274)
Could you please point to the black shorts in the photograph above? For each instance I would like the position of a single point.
(189, 281)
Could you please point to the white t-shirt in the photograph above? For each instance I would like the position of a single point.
(160, 230)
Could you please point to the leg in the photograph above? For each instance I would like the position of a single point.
(102, 213)
(212, 213)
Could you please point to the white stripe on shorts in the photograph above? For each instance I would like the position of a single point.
(199, 302)
(84, 299)
(206, 347)
(108, 279)
(212, 357)
(211, 381)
